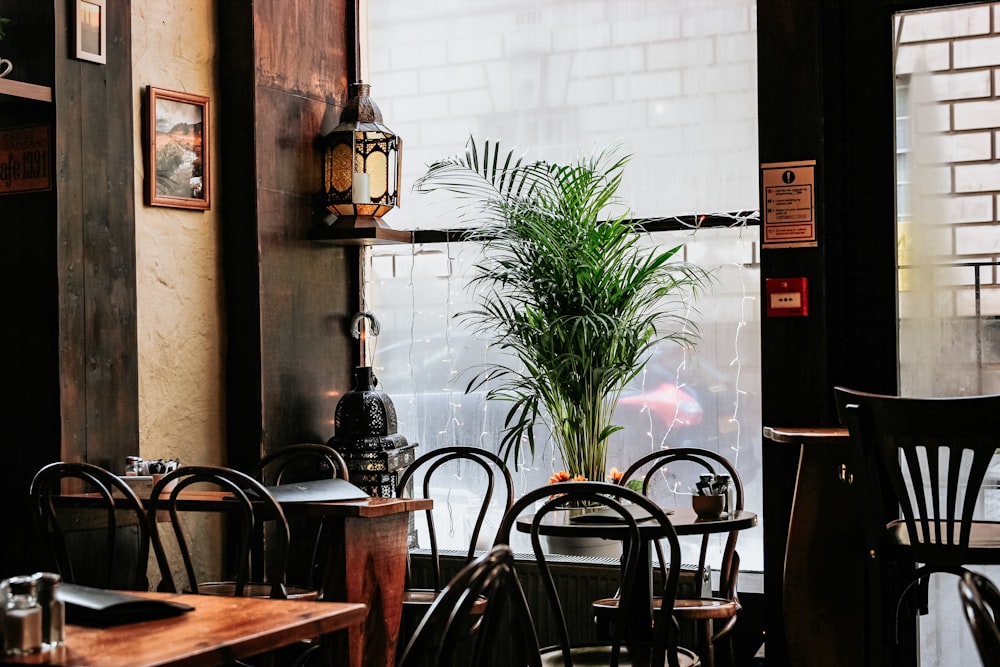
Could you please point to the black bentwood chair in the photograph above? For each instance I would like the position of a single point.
(921, 463)
(637, 635)
(981, 603)
(438, 469)
(715, 615)
(114, 550)
(245, 510)
(480, 618)
(303, 462)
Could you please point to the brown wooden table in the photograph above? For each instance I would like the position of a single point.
(218, 631)
(822, 582)
(367, 543)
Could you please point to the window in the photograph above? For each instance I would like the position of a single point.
(676, 82)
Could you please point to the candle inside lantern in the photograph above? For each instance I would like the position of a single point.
(360, 193)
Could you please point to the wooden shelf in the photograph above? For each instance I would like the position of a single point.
(26, 90)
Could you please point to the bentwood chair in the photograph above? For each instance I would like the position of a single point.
(303, 462)
(981, 604)
(104, 544)
(715, 615)
(244, 509)
(921, 463)
(480, 618)
(637, 636)
(426, 477)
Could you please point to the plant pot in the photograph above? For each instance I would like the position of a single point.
(581, 546)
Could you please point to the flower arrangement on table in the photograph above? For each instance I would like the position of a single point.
(567, 287)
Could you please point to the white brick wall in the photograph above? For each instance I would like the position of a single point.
(958, 127)
(562, 76)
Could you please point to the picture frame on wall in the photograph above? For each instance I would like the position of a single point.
(177, 150)
(91, 31)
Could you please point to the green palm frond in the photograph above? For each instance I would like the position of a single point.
(565, 287)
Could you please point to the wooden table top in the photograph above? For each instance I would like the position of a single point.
(804, 435)
(683, 519)
(219, 630)
(216, 501)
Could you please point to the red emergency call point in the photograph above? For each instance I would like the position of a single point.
(787, 297)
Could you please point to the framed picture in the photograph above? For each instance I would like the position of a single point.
(91, 31)
(177, 150)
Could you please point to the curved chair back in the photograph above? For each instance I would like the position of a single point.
(301, 462)
(657, 465)
(245, 505)
(459, 630)
(434, 466)
(981, 603)
(113, 511)
(634, 520)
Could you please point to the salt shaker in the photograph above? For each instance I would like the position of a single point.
(729, 495)
(53, 609)
(22, 622)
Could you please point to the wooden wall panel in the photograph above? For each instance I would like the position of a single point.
(96, 252)
(289, 301)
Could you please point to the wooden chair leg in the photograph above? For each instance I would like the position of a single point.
(706, 643)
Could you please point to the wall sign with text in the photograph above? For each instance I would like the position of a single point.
(789, 203)
(25, 159)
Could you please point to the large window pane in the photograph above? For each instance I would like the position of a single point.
(675, 81)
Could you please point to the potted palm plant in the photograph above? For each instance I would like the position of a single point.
(569, 288)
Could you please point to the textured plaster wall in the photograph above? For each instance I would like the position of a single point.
(178, 255)
(178, 259)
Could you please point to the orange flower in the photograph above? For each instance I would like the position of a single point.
(563, 476)
(615, 475)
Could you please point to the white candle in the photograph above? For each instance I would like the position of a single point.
(360, 194)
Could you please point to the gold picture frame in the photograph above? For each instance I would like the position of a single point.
(178, 161)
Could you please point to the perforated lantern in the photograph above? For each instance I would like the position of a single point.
(361, 167)
(365, 435)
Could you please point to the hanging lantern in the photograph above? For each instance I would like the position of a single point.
(365, 427)
(361, 166)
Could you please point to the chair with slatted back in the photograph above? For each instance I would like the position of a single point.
(921, 463)
(460, 629)
(104, 544)
(303, 462)
(636, 634)
(981, 604)
(715, 615)
(430, 473)
(245, 509)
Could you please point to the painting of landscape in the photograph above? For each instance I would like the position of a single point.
(179, 150)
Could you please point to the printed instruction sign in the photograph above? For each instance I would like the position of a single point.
(789, 203)
(25, 159)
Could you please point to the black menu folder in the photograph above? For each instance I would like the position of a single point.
(100, 607)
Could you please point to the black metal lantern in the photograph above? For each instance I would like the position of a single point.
(365, 435)
(361, 167)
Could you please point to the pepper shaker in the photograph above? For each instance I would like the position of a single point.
(53, 609)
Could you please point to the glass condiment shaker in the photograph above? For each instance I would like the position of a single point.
(53, 609)
(22, 622)
(728, 493)
(133, 466)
